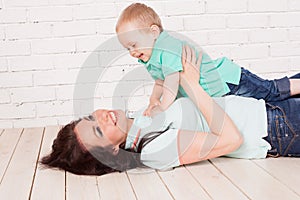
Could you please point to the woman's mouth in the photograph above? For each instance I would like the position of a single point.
(113, 117)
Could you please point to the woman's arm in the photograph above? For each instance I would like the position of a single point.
(224, 136)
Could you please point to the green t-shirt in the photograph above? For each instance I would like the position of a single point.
(214, 74)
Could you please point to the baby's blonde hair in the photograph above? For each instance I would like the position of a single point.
(141, 14)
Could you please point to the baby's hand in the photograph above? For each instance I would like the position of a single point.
(153, 103)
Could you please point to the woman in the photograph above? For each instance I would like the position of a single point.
(190, 130)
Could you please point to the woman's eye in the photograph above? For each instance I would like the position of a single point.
(99, 132)
(89, 118)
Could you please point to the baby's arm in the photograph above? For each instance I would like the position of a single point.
(167, 90)
(170, 90)
(169, 93)
(155, 96)
(157, 90)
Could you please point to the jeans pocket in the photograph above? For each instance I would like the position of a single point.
(285, 135)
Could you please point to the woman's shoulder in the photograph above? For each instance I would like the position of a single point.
(238, 101)
(222, 101)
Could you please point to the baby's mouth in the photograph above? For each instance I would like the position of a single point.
(140, 56)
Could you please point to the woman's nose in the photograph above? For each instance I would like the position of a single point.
(105, 116)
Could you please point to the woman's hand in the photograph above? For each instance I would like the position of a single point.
(191, 65)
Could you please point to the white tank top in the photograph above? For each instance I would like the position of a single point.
(248, 114)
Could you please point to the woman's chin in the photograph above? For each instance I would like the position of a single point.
(121, 120)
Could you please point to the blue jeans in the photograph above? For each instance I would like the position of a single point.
(253, 86)
(284, 127)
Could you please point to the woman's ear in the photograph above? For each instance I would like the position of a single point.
(155, 31)
(116, 150)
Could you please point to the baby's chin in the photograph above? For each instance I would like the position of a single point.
(144, 58)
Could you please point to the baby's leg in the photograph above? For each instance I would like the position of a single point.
(296, 76)
(251, 85)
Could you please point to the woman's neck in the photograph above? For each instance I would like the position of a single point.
(129, 124)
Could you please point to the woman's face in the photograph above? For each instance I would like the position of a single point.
(103, 128)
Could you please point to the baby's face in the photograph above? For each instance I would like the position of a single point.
(138, 41)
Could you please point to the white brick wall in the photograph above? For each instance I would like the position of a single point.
(28, 31)
(14, 15)
(31, 63)
(97, 11)
(175, 8)
(204, 22)
(32, 94)
(226, 6)
(2, 33)
(53, 46)
(267, 5)
(294, 34)
(263, 35)
(14, 48)
(27, 3)
(16, 79)
(247, 20)
(3, 64)
(294, 5)
(46, 14)
(45, 44)
(65, 29)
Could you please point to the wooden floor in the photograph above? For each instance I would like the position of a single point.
(223, 178)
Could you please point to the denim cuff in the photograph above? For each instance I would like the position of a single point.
(283, 85)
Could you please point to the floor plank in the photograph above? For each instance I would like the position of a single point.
(148, 185)
(17, 180)
(8, 142)
(182, 184)
(81, 187)
(48, 183)
(222, 178)
(284, 169)
(255, 182)
(214, 182)
(115, 186)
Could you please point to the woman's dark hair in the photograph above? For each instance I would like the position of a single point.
(68, 154)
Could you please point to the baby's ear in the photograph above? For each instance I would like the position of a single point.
(155, 30)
